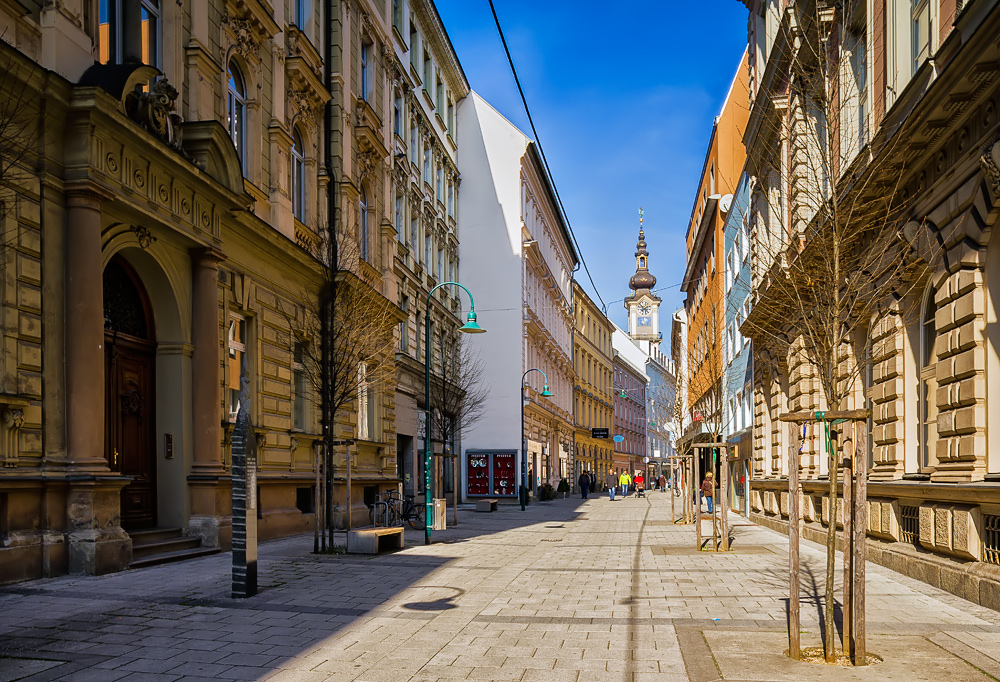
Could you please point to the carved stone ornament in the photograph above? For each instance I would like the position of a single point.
(367, 162)
(245, 39)
(990, 161)
(154, 111)
(132, 403)
(303, 101)
(144, 236)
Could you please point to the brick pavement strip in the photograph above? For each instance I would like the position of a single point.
(579, 591)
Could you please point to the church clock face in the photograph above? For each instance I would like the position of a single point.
(644, 308)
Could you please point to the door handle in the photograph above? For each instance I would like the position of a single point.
(115, 464)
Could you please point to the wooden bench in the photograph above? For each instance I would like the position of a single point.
(374, 540)
(488, 505)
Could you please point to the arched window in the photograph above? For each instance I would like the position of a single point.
(363, 224)
(927, 437)
(236, 111)
(298, 176)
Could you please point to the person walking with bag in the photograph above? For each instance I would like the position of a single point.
(708, 491)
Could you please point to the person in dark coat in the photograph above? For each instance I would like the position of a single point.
(584, 484)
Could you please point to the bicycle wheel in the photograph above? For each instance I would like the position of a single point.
(371, 514)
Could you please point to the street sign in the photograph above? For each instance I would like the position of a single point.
(598, 433)
(618, 438)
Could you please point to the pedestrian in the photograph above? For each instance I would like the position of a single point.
(662, 483)
(611, 488)
(584, 484)
(624, 480)
(708, 490)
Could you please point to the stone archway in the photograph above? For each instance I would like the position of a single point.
(166, 410)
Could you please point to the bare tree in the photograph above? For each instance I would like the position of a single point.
(830, 256)
(353, 365)
(19, 130)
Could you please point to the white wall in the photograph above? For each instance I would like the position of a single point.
(489, 160)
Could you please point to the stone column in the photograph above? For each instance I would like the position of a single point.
(97, 543)
(84, 341)
(208, 481)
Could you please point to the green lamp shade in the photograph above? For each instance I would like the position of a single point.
(622, 394)
(471, 326)
(545, 392)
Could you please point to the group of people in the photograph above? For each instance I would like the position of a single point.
(624, 484)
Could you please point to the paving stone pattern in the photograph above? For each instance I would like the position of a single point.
(583, 591)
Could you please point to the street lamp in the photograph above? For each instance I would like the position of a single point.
(470, 327)
(524, 443)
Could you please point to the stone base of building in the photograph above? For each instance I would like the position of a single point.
(972, 580)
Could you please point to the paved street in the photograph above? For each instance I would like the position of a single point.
(569, 590)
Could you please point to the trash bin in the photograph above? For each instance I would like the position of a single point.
(440, 512)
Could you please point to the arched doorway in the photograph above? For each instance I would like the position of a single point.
(129, 376)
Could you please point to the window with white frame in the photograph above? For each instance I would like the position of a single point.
(301, 17)
(300, 388)
(238, 370)
(920, 14)
(365, 82)
(440, 264)
(415, 237)
(427, 165)
(367, 405)
(439, 188)
(397, 114)
(298, 176)
(397, 14)
(428, 263)
(399, 218)
(451, 199)
(414, 143)
(236, 111)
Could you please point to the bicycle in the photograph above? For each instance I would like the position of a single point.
(385, 512)
(412, 513)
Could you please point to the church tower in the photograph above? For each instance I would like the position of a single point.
(643, 305)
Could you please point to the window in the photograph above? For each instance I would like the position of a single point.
(440, 265)
(363, 224)
(427, 70)
(236, 110)
(397, 114)
(365, 75)
(439, 191)
(427, 165)
(414, 44)
(427, 252)
(439, 93)
(397, 14)
(400, 218)
(450, 121)
(367, 418)
(451, 199)
(415, 237)
(928, 383)
(451, 269)
(300, 394)
(921, 31)
(298, 177)
(114, 44)
(414, 144)
(301, 13)
(404, 326)
(238, 370)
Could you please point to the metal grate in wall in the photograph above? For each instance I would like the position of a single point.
(818, 507)
(991, 538)
(909, 526)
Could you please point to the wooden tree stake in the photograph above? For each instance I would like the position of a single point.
(848, 450)
(795, 441)
(860, 537)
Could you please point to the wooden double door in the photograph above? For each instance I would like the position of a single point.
(129, 390)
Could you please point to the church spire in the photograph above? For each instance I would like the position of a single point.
(642, 280)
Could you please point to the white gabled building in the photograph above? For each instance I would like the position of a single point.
(518, 261)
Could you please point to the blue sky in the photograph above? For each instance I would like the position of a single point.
(623, 95)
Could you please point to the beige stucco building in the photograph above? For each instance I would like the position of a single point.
(593, 400)
(165, 242)
(427, 87)
(923, 94)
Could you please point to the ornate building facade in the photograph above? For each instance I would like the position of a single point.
(630, 384)
(921, 93)
(593, 399)
(428, 85)
(167, 221)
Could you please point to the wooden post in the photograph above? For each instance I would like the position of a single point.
(725, 499)
(715, 508)
(848, 452)
(831, 547)
(794, 443)
(860, 538)
(696, 484)
(670, 488)
(317, 503)
(347, 461)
